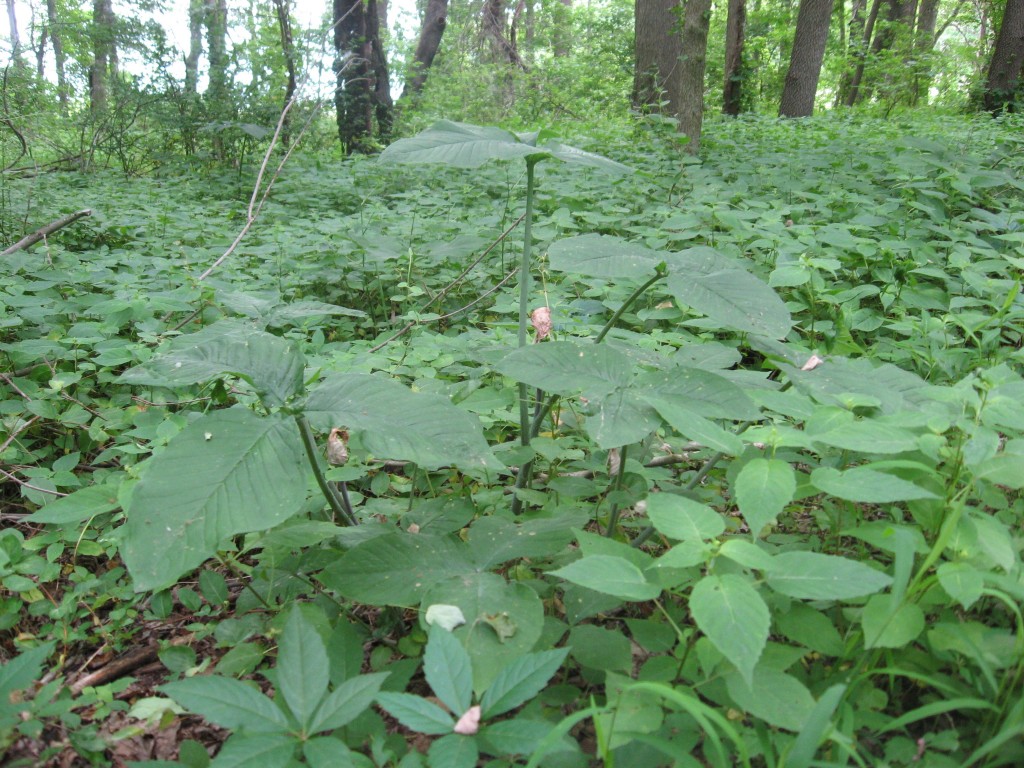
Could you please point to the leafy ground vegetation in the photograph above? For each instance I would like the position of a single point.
(746, 491)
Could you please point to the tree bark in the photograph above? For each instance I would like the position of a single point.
(801, 84)
(1003, 84)
(56, 38)
(104, 63)
(362, 92)
(195, 50)
(853, 94)
(657, 49)
(284, 25)
(12, 20)
(493, 27)
(432, 30)
(696, 20)
(924, 41)
(732, 92)
(215, 14)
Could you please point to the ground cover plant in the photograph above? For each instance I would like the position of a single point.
(734, 478)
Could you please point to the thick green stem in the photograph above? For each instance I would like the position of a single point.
(524, 313)
(626, 304)
(309, 443)
(613, 518)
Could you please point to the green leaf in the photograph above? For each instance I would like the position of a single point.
(721, 289)
(598, 648)
(889, 623)
(682, 518)
(773, 696)
(867, 485)
(763, 488)
(272, 365)
(327, 752)
(603, 256)
(494, 540)
(520, 681)
(448, 670)
(397, 423)
(229, 703)
(416, 713)
(693, 389)
(457, 144)
(267, 750)
(79, 506)
(868, 436)
(347, 702)
(302, 668)
(730, 612)
(814, 576)
(816, 728)
(962, 581)
(691, 424)
(611, 575)
(453, 751)
(565, 367)
(21, 673)
(396, 568)
(622, 418)
(575, 156)
(226, 473)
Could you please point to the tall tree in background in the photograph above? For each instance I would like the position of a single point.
(805, 61)
(363, 91)
(431, 32)
(284, 26)
(196, 15)
(658, 46)
(12, 20)
(1003, 83)
(850, 91)
(215, 13)
(732, 92)
(57, 38)
(924, 42)
(696, 21)
(104, 62)
(495, 31)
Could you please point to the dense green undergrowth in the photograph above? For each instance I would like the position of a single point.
(772, 517)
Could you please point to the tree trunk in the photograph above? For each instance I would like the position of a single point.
(56, 38)
(924, 41)
(853, 94)
(1003, 84)
(732, 93)
(696, 20)
(805, 61)
(363, 91)
(195, 50)
(383, 106)
(216, 19)
(15, 39)
(493, 27)
(104, 62)
(431, 32)
(657, 49)
(284, 25)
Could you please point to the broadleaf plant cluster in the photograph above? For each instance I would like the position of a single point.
(751, 497)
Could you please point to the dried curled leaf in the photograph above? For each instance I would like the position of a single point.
(540, 318)
(337, 447)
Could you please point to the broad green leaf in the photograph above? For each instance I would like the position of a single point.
(494, 540)
(302, 668)
(346, 702)
(603, 256)
(575, 156)
(565, 367)
(271, 364)
(1006, 467)
(689, 423)
(962, 581)
(517, 737)
(520, 681)
(79, 506)
(228, 702)
(816, 728)
(448, 670)
(622, 418)
(892, 388)
(773, 696)
(460, 145)
(763, 488)
(503, 620)
(725, 292)
(682, 518)
(327, 752)
(226, 473)
(867, 485)
(267, 750)
(868, 436)
(746, 553)
(890, 626)
(730, 612)
(397, 423)
(21, 673)
(416, 713)
(703, 392)
(610, 575)
(598, 648)
(396, 568)
(453, 751)
(810, 628)
(814, 576)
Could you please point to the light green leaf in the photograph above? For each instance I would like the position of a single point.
(22, 672)
(565, 367)
(603, 256)
(890, 626)
(773, 696)
(622, 418)
(867, 485)
(725, 292)
(763, 488)
(228, 702)
(327, 752)
(682, 518)
(575, 156)
(271, 364)
(868, 436)
(226, 473)
(962, 581)
(814, 576)
(816, 728)
(610, 575)
(267, 750)
(416, 713)
(396, 568)
(397, 423)
(691, 424)
(730, 612)
(703, 392)
(302, 668)
(79, 506)
(448, 670)
(347, 702)
(457, 144)
(520, 681)
(453, 751)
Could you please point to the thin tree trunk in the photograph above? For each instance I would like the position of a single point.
(853, 50)
(924, 41)
(196, 15)
(383, 106)
(493, 27)
(805, 61)
(696, 20)
(12, 20)
(58, 54)
(284, 25)
(104, 55)
(858, 74)
(1002, 86)
(434, 22)
(732, 92)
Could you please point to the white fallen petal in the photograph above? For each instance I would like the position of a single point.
(469, 723)
(445, 616)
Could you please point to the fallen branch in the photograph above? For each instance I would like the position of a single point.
(29, 240)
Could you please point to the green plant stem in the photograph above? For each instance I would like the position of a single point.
(626, 304)
(613, 518)
(524, 302)
(308, 441)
